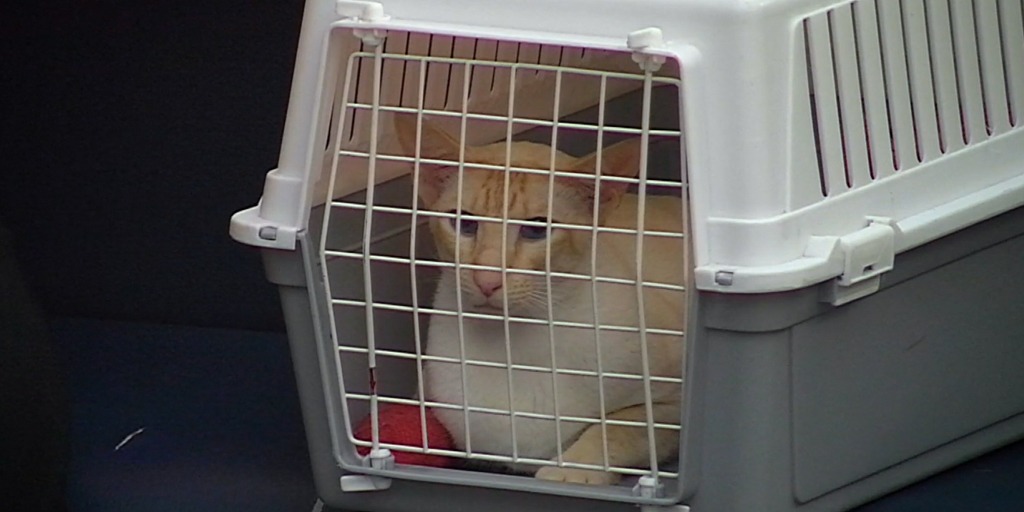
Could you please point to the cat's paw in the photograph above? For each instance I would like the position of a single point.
(578, 476)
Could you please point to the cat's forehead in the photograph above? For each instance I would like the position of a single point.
(484, 193)
(522, 154)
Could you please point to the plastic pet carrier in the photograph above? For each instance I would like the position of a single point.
(708, 255)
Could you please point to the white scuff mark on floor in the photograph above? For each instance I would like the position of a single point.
(128, 438)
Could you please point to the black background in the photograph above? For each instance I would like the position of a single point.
(132, 130)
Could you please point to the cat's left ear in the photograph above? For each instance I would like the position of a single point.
(621, 159)
(434, 144)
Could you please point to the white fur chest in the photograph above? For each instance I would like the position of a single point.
(485, 378)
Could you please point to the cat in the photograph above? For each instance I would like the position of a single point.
(527, 296)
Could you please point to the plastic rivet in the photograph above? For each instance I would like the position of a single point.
(268, 232)
(723, 278)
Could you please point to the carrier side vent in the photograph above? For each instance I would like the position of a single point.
(897, 84)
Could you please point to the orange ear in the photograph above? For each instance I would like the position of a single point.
(434, 144)
(621, 159)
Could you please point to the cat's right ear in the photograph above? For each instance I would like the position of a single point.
(621, 159)
(434, 144)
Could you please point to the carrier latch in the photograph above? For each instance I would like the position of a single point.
(867, 254)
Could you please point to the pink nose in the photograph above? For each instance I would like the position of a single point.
(489, 281)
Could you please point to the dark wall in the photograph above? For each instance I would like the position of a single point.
(132, 130)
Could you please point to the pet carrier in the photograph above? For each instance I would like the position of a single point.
(770, 250)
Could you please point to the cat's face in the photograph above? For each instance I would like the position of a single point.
(480, 242)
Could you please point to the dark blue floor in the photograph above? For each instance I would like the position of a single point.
(223, 430)
(991, 483)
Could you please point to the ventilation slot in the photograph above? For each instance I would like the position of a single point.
(442, 78)
(441, 63)
(1011, 31)
(896, 84)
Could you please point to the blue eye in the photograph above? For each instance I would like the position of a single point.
(534, 232)
(467, 227)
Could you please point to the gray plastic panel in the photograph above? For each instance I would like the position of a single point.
(808, 407)
(916, 366)
(743, 448)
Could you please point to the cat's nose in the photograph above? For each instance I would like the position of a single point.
(489, 281)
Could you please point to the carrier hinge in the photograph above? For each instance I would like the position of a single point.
(867, 254)
(649, 487)
(365, 12)
(380, 459)
(642, 42)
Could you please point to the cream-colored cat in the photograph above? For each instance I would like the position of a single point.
(527, 295)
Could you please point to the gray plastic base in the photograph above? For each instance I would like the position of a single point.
(793, 404)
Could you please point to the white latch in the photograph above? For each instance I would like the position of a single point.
(379, 459)
(867, 254)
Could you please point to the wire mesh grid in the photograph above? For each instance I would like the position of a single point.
(397, 269)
